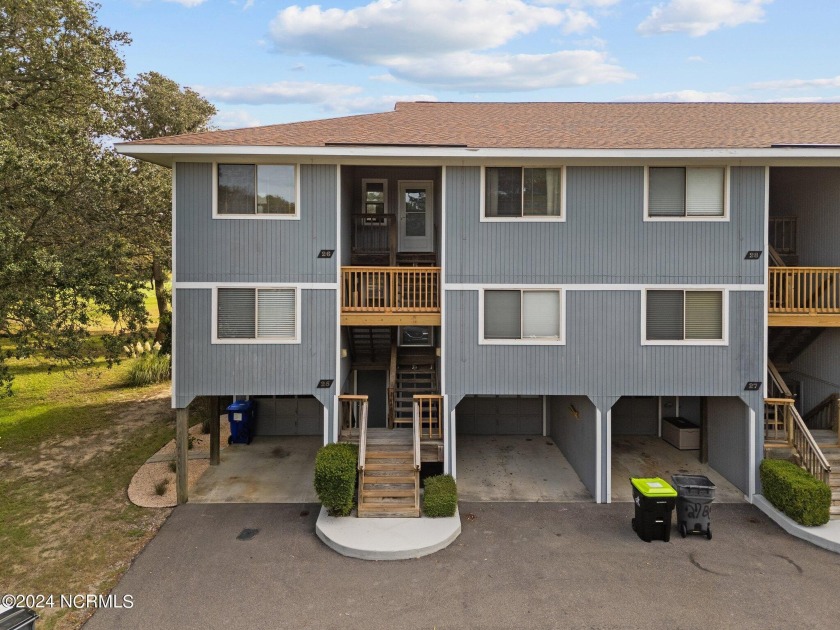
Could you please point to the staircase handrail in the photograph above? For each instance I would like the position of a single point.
(775, 258)
(415, 435)
(803, 442)
(830, 402)
(777, 379)
(363, 421)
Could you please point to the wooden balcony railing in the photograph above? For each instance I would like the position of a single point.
(383, 295)
(782, 233)
(427, 410)
(804, 291)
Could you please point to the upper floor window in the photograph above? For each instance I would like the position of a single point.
(522, 315)
(259, 190)
(686, 192)
(374, 196)
(684, 316)
(512, 193)
(254, 315)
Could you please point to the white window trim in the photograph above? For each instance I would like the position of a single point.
(530, 218)
(693, 218)
(264, 216)
(214, 307)
(688, 342)
(538, 341)
(384, 183)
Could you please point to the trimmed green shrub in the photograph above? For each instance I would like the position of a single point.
(440, 497)
(149, 368)
(335, 477)
(795, 492)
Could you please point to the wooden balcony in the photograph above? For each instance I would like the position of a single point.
(374, 239)
(390, 296)
(804, 296)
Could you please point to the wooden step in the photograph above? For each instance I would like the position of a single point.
(390, 466)
(389, 455)
(383, 502)
(386, 493)
(834, 510)
(407, 511)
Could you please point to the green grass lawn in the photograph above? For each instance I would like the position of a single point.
(69, 444)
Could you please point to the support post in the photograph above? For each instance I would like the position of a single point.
(182, 426)
(215, 420)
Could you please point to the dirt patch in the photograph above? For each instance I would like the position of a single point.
(280, 452)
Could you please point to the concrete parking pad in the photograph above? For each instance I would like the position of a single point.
(515, 468)
(515, 565)
(268, 470)
(650, 456)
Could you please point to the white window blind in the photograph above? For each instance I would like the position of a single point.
(235, 313)
(276, 313)
(540, 314)
(704, 192)
(703, 315)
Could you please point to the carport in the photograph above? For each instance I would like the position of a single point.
(278, 465)
(506, 452)
(710, 438)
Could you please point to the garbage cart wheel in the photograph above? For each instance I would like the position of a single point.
(667, 536)
(709, 533)
(683, 530)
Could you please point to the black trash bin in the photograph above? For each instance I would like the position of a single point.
(695, 494)
(654, 499)
(14, 618)
(241, 418)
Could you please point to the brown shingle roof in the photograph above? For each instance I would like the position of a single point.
(553, 126)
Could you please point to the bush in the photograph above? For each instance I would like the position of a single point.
(150, 368)
(335, 477)
(440, 497)
(795, 492)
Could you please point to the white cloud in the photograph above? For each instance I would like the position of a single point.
(449, 43)
(797, 84)
(282, 92)
(696, 59)
(701, 17)
(385, 31)
(365, 104)
(187, 3)
(684, 96)
(510, 72)
(248, 4)
(384, 78)
(234, 119)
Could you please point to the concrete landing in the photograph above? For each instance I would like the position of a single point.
(387, 538)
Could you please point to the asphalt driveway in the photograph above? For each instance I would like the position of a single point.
(516, 565)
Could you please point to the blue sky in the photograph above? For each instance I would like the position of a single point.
(268, 61)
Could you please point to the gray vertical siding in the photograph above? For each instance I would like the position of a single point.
(635, 416)
(500, 415)
(254, 250)
(604, 237)
(818, 369)
(729, 440)
(603, 355)
(206, 369)
(812, 195)
(576, 436)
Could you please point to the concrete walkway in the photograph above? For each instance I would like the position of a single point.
(515, 468)
(268, 470)
(515, 565)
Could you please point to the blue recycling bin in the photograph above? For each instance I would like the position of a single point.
(241, 418)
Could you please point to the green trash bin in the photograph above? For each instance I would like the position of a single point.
(654, 499)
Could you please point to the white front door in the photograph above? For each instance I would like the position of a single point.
(416, 217)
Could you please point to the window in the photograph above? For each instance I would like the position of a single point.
(515, 192)
(522, 314)
(265, 190)
(686, 192)
(374, 196)
(684, 316)
(264, 315)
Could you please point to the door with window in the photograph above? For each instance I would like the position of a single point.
(416, 217)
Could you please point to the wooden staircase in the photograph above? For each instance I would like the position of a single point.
(411, 380)
(389, 480)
